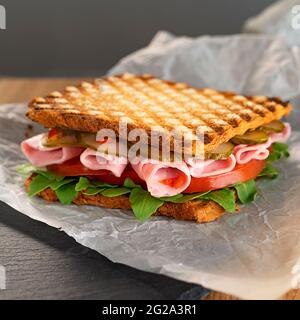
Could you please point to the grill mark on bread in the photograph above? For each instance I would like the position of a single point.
(233, 122)
(188, 99)
(207, 138)
(270, 107)
(278, 100)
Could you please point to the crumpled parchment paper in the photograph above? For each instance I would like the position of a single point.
(254, 254)
(281, 19)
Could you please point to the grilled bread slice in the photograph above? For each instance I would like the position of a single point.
(195, 210)
(146, 102)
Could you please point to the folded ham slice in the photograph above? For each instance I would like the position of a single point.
(282, 136)
(96, 160)
(41, 156)
(245, 153)
(162, 179)
(205, 168)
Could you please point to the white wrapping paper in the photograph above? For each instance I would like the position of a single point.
(281, 19)
(254, 254)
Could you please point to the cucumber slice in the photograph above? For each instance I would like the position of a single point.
(274, 126)
(61, 138)
(251, 137)
(89, 140)
(223, 151)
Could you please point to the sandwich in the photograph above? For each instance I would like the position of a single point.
(113, 143)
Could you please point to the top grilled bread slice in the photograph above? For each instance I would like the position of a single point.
(146, 102)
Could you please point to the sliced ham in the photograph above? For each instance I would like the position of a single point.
(162, 179)
(282, 136)
(96, 160)
(205, 168)
(245, 153)
(41, 156)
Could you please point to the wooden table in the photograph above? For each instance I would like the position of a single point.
(23, 89)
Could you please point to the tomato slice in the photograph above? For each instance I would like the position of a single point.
(127, 173)
(240, 173)
(53, 133)
(173, 182)
(74, 168)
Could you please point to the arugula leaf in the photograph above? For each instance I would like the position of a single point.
(25, 168)
(128, 183)
(82, 184)
(102, 184)
(172, 198)
(38, 184)
(246, 191)
(114, 192)
(49, 175)
(57, 184)
(66, 193)
(143, 204)
(91, 191)
(182, 198)
(269, 171)
(279, 150)
(224, 197)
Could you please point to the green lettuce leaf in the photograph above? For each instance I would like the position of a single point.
(172, 198)
(224, 197)
(269, 171)
(57, 184)
(91, 191)
(38, 184)
(143, 204)
(246, 191)
(279, 151)
(182, 198)
(128, 183)
(82, 184)
(101, 184)
(25, 168)
(67, 193)
(49, 175)
(114, 192)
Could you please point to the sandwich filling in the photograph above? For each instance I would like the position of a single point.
(221, 176)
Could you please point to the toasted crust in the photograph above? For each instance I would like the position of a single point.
(198, 211)
(145, 102)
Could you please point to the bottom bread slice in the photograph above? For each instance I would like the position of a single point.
(195, 210)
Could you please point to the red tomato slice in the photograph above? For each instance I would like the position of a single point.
(240, 173)
(127, 173)
(74, 168)
(52, 133)
(173, 182)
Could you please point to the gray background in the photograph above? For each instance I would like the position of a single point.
(86, 37)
